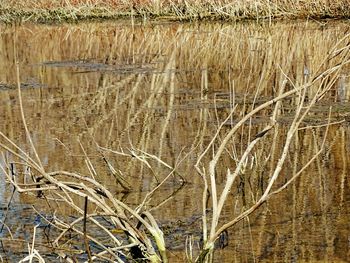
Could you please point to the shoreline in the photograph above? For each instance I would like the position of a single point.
(14, 12)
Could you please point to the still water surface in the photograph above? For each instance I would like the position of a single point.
(164, 89)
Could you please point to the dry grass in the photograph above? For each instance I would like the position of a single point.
(130, 230)
(72, 10)
(128, 102)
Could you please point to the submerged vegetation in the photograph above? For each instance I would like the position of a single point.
(74, 10)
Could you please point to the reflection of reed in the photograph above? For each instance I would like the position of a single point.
(174, 109)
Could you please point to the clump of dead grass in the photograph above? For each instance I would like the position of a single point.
(73, 10)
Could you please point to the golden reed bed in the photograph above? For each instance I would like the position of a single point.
(73, 10)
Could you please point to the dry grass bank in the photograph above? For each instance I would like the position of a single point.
(73, 10)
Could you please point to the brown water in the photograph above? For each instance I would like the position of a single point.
(164, 89)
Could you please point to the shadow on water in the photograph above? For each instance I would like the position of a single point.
(164, 89)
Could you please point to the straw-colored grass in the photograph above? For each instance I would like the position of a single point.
(72, 10)
(127, 107)
(136, 225)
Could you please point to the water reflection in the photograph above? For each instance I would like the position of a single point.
(164, 89)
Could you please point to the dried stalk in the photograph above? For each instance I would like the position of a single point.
(304, 105)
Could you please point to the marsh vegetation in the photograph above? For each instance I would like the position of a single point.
(77, 10)
(175, 142)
